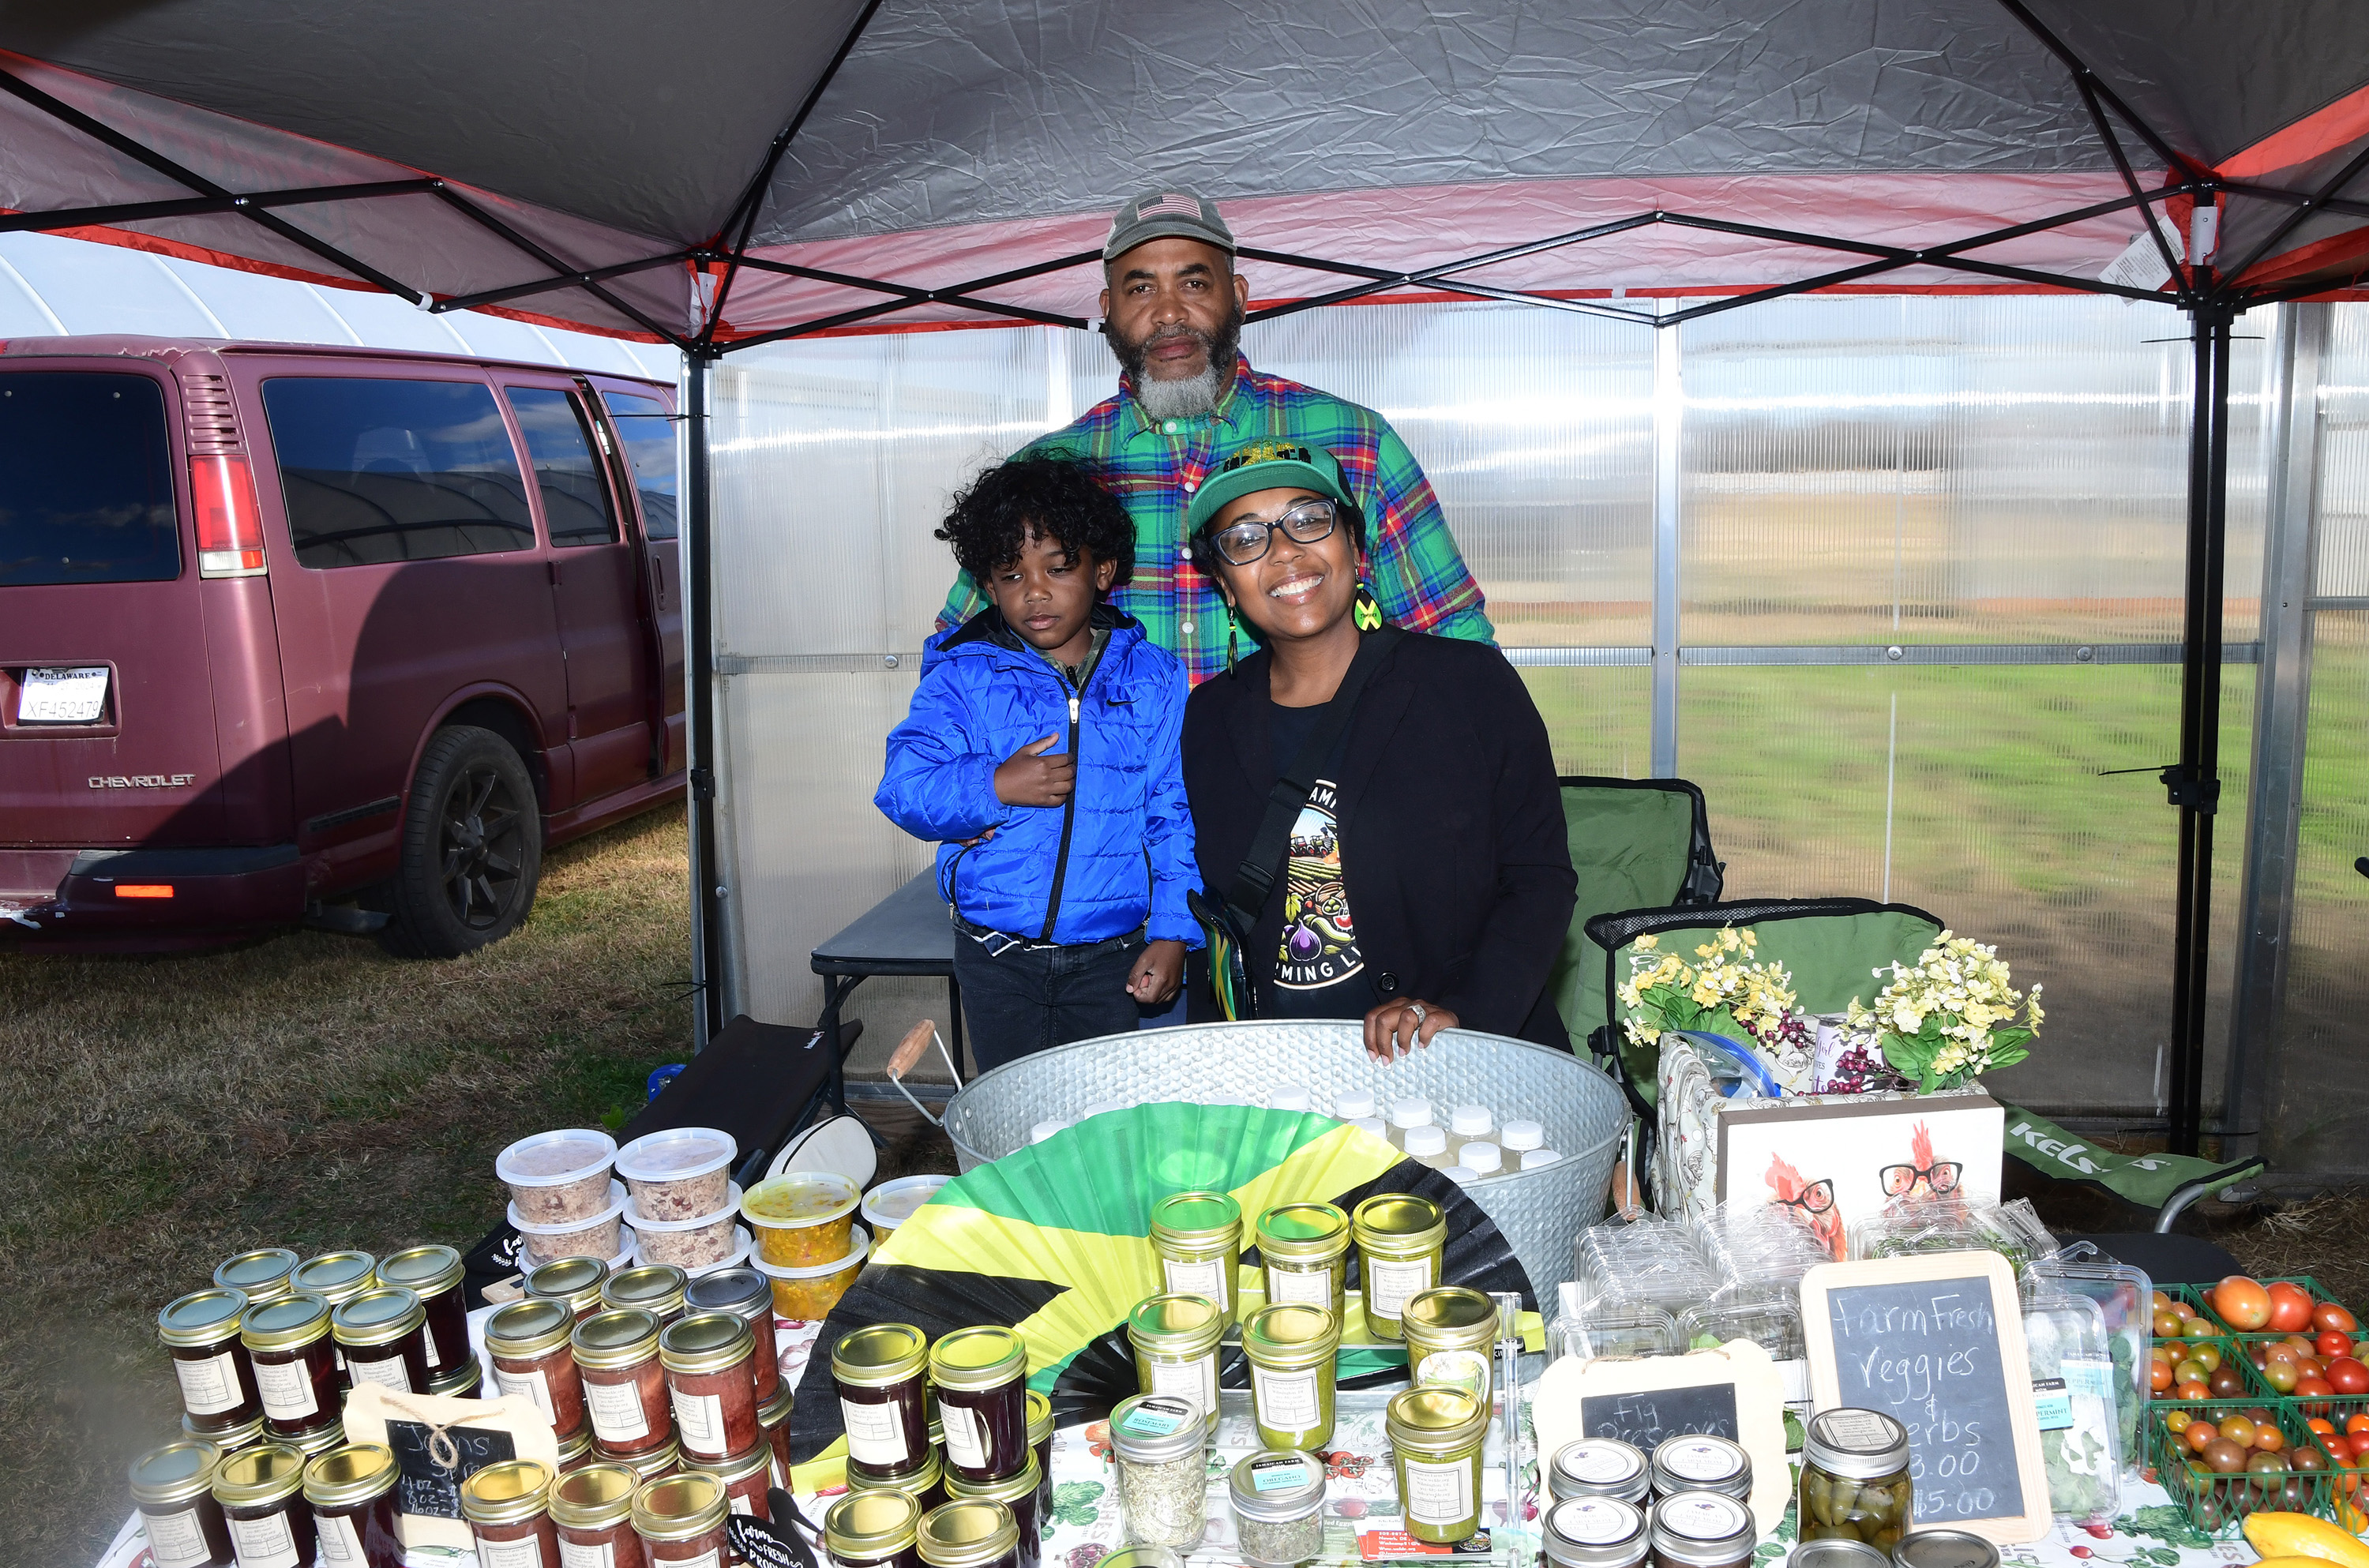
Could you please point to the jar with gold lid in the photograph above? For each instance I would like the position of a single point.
(576, 1281)
(246, 1434)
(969, 1535)
(352, 1490)
(321, 1441)
(1451, 1337)
(436, 1275)
(508, 1505)
(1175, 1343)
(576, 1449)
(1197, 1236)
(261, 1490)
(172, 1489)
(1017, 1492)
(1289, 1348)
(1040, 1443)
(337, 1278)
(593, 1510)
(288, 1345)
(200, 1332)
(680, 1520)
(774, 1421)
(533, 1357)
(925, 1483)
(1400, 1239)
(748, 1295)
(873, 1530)
(982, 1402)
(625, 1388)
(461, 1382)
(261, 1275)
(649, 1464)
(881, 1373)
(1304, 1250)
(658, 1288)
(1437, 1433)
(710, 1361)
(746, 1478)
(384, 1333)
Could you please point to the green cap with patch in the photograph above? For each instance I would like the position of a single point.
(1268, 466)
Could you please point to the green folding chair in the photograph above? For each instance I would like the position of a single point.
(1635, 844)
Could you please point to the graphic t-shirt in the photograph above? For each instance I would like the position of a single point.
(1319, 971)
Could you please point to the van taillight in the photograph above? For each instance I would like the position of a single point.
(230, 526)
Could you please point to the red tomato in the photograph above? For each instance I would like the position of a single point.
(2333, 1344)
(2242, 1302)
(2347, 1376)
(2328, 1315)
(2160, 1377)
(2198, 1390)
(2290, 1308)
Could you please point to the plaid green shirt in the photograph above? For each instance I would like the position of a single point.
(1412, 561)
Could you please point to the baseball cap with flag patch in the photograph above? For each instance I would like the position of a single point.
(1273, 465)
(1166, 214)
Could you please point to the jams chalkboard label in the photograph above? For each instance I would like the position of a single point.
(1644, 1418)
(434, 1461)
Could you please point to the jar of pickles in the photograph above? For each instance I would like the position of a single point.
(969, 1535)
(1451, 1337)
(982, 1404)
(172, 1489)
(261, 1275)
(200, 1332)
(576, 1281)
(508, 1505)
(1175, 1342)
(533, 1355)
(1278, 1502)
(295, 1364)
(435, 1274)
(881, 1373)
(383, 1334)
(1702, 1529)
(1400, 1242)
(624, 1387)
(658, 1288)
(1855, 1478)
(1018, 1492)
(1289, 1348)
(710, 1363)
(680, 1520)
(1197, 1236)
(1701, 1462)
(1599, 1467)
(1304, 1250)
(1595, 1533)
(873, 1529)
(592, 1513)
(261, 1492)
(1159, 1440)
(749, 1296)
(1436, 1432)
(351, 1490)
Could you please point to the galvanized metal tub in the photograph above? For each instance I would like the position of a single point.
(1541, 1211)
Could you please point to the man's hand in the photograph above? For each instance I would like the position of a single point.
(1028, 777)
(1159, 974)
(1397, 1028)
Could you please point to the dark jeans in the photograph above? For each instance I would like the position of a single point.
(1032, 998)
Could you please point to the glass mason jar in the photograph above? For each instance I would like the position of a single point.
(710, 1360)
(873, 1530)
(351, 1490)
(749, 1296)
(925, 1483)
(435, 1274)
(1599, 1467)
(1289, 1348)
(681, 1521)
(969, 1535)
(1451, 1337)
(1400, 1239)
(172, 1489)
(658, 1288)
(649, 1464)
(1278, 1502)
(261, 1492)
(1596, 1532)
(774, 1421)
(535, 1356)
(1158, 1440)
(384, 1333)
(1700, 1462)
(337, 1278)
(624, 1387)
(882, 1374)
(982, 1404)
(295, 1364)
(1702, 1529)
(461, 1382)
(592, 1513)
(1304, 1248)
(576, 1449)
(1855, 1478)
(200, 1332)
(1943, 1549)
(746, 1477)
(1837, 1551)
(576, 1281)
(1019, 1492)
(1197, 1236)
(1040, 1443)
(261, 1275)
(243, 1436)
(1437, 1434)
(508, 1505)
(1175, 1340)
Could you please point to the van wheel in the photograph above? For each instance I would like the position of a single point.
(471, 847)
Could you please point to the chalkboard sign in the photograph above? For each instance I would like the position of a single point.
(427, 1485)
(1936, 1343)
(1644, 1419)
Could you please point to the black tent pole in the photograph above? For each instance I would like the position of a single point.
(698, 694)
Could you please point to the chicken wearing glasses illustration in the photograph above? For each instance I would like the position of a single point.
(1814, 1201)
(1922, 1176)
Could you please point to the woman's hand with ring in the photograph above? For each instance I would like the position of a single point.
(1397, 1028)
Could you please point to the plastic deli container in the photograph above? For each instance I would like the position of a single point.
(742, 1246)
(890, 1204)
(681, 1173)
(554, 1177)
(597, 1235)
(690, 1241)
(806, 1292)
(801, 1218)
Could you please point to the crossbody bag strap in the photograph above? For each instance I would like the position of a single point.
(1255, 877)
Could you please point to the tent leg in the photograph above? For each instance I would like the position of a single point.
(707, 884)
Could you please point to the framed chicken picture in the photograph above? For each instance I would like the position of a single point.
(1839, 1159)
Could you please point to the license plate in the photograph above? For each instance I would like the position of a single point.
(73, 694)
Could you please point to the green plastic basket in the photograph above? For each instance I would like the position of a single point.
(2217, 1504)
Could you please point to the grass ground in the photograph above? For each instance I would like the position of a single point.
(306, 1091)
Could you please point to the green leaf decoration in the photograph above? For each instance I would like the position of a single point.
(1074, 1503)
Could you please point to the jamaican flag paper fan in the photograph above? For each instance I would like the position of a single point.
(1053, 1241)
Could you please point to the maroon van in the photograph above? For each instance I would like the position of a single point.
(279, 624)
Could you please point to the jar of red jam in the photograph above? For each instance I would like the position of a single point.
(681, 1521)
(576, 1281)
(435, 1274)
(745, 1477)
(649, 1464)
(624, 1387)
(1018, 1492)
(530, 1343)
(925, 1483)
(295, 1364)
(384, 1335)
(774, 1421)
(461, 1382)
(969, 1535)
(200, 1333)
(711, 1361)
(172, 1489)
(337, 1278)
(576, 1449)
(749, 1296)
(261, 1490)
(313, 1444)
(983, 1402)
(246, 1434)
(593, 1511)
(351, 1490)
(261, 1275)
(1040, 1442)
(507, 1508)
(656, 1288)
(882, 1373)
(873, 1529)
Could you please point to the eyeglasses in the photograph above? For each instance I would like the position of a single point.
(1942, 1176)
(1815, 1198)
(1245, 541)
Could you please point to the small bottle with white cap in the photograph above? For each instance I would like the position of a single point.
(1525, 1141)
(1427, 1144)
(1462, 1176)
(1353, 1105)
(1374, 1125)
(1480, 1157)
(1289, 1097)
(1407, 1115)
(1473, 1125)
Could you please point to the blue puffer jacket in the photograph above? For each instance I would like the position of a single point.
(1120, 855)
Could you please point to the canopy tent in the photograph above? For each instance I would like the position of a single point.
(729, 176)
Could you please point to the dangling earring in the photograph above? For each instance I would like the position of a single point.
(1367, 612)
(1233, 633)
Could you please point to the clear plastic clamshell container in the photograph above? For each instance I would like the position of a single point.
(1771, 1321)
(2072, 1383)
(1617, 1328)
(2124, 1295)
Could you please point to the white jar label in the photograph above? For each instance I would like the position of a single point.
(699, 1422)
(617, 1414)
(209, 1386)
(1286, 1400)
(1690, 1458)
(1388, 1285)
(266, 1543)
(738, 1502)
(1204, 1279)
(428, 1339)
(573, 1554)
(1193, 1382)
(1312, 1288)
(1438, 1494)
(175, 1540)
(1467, 1369)
(531, 1384)
(526, 1553)
(876, 1433)
(287, 1393)
(966, 1435)
(340, 1545)
(389, 1374)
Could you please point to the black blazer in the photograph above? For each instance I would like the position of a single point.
(1457, 868)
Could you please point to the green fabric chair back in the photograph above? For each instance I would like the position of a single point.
(1635, 844)
(1831, 946)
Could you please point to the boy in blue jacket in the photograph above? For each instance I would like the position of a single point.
(1042, 752)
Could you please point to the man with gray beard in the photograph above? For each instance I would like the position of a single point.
(1171, 307)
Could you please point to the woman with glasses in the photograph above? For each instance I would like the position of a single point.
(1374, 810)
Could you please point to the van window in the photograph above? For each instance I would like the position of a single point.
(575, 501)
(648, 435)
(85, 480)
(380, 471)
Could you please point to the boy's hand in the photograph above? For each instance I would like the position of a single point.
(1159, 974)
(1028, 777)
